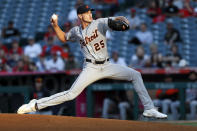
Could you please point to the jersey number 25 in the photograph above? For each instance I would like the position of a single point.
(99, 45)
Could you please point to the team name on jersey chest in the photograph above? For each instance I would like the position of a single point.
(91, 38)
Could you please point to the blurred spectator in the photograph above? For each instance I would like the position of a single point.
(4, 67)
(65, 51)
(72, 63)
(27, 60)
(9, 33)
(13, 60)
(72, 15)
(113, 100)
(173, 58)
(192, 96)
(39, 92)
(110, 1)
(109, 6)
(187, 10)
(2, 56)
(143, 36)
(16, 49)
(156, 57)
(33, 50)
(164, 97)
(158, 19)
(191, 99)
(134, 20)
(50, 33)
(41, 63)
(67, 26)
(21, 66)
(178, 3)
(195, 9)
(154, 10)
(2, 46)
(143, 3)
(172, 35)
(117, 60)
(32, 67)
(55, 63)
(140, 59)
(162, 4)
(3, 60)
(10, 30)
(171, 10)
(15, 53)
(51, 47)
(98, 14)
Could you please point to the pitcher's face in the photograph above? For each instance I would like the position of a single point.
(86, 17)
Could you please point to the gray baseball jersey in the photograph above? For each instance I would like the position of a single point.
(92, 39)
(93, 45)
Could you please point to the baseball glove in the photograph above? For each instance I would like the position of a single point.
(118, 25)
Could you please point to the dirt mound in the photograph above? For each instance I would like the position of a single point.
(14, 122)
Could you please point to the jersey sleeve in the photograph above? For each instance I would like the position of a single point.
(71, 35)
(103, 24)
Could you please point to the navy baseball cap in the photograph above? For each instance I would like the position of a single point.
(83, 8)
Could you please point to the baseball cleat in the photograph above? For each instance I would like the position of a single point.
(154, 113)
(26, 108)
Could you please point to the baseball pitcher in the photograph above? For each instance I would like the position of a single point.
(91, 36)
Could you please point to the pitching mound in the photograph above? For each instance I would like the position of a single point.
(10, 122)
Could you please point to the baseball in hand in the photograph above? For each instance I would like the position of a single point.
(54, 17)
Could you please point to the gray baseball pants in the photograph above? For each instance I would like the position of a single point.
(93, 72)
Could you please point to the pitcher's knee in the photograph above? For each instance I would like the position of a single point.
(135, 74)
(71, 95)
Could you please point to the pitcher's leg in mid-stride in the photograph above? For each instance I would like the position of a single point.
(88, 76)
(119, 72)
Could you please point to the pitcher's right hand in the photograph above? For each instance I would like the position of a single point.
(54, 22)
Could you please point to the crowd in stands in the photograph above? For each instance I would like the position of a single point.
(159, 11)
(50, 56)
(34, 56)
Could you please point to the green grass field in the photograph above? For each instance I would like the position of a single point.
(187, 123)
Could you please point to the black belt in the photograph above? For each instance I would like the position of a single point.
(97, 62)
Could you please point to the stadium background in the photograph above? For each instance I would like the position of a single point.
(21, 69)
